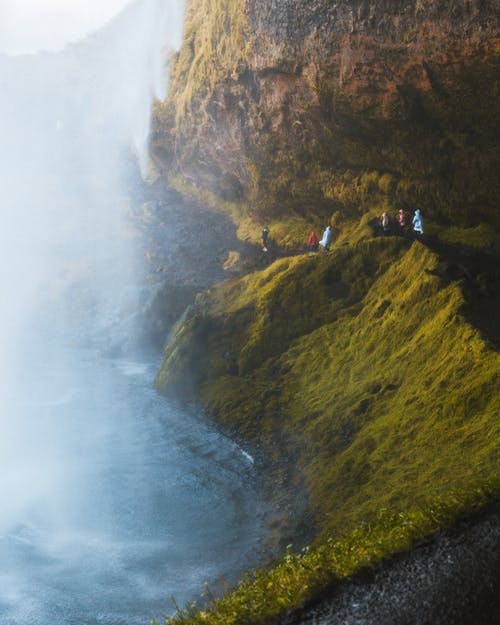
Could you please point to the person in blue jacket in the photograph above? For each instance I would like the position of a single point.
(418, 224)
(327, 238)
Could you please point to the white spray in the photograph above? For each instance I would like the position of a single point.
(70, 122)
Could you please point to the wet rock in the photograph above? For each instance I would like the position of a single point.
(452, 580)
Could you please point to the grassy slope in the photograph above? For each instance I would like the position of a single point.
(359, 368)
(263, 595)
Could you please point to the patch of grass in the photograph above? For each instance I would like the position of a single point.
(298, 577)
(482, 236)
(232, 259)
(257, 316)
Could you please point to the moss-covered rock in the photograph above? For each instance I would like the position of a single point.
(360, 364)
(369, 373)
(359, 372)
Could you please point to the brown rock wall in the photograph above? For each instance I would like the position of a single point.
(324, 100)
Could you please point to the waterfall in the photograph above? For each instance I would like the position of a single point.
(69, 122)
(113, 499)
(74, 129)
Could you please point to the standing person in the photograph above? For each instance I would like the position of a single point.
(386, 223)
(265, 238)
(418, 225)
(327, 238)
(313, 242)
(402, 219)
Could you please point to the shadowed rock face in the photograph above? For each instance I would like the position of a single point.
(337, 106)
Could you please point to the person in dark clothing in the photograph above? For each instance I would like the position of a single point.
(265, 237)
(385, 223)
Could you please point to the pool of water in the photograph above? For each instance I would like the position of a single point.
(113, 498)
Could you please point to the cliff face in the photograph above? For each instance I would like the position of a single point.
(370, 372)
(310, 108)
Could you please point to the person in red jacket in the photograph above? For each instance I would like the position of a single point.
(402, 219)
(312, 242)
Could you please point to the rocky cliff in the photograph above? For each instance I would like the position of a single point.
(368, 374)
(304, 110)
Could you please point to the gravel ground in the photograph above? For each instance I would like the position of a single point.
(452, 580)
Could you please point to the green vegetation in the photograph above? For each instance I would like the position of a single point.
(214, 30)
(358, 371)
(482, 236)
(365, 354)
(265, 594)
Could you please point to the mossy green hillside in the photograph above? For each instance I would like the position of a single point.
(358, 371)
(237, 325)
(358, 365)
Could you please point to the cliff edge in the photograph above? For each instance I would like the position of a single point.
(366, 376)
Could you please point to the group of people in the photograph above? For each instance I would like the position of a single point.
(313, 243)
(417, 222)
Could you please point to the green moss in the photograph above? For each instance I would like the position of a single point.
(357, 370)
(256, 317)
(481, 237)
(216, 39)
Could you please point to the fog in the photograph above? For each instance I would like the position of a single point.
(68, 123)
(112, 499)
(28, 26)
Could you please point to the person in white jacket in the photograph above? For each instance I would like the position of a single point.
(327, 238)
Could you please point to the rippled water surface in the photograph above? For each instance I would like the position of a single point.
(113, 498)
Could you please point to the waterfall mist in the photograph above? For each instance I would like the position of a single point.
(69, 123)
(112, 499)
